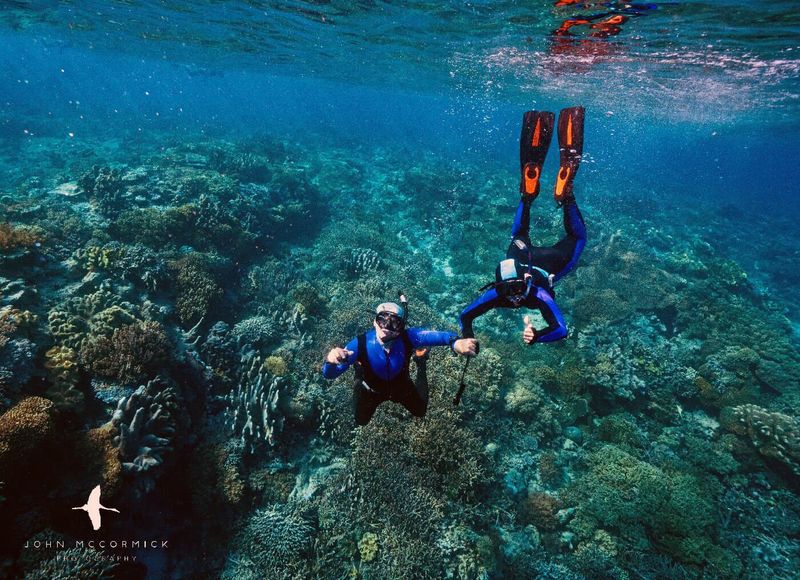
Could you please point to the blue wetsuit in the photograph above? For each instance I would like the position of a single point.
(541, 263)
(383, 375)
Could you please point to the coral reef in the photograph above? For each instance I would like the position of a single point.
(61, 363)
(197, 288)
(26, 430)
(105, 187)
(18, 237)
(276, 541)
(75, 562)
(135, 263)
(254, 414)
(92, 315)
(16, 352)
(658, 440)
(134, 352)
(622, 493)
(636, 359)
(775, 435)
(145, 424)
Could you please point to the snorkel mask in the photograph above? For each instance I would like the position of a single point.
(510, 281)
(390, 316)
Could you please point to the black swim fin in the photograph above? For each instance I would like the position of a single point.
(570, 145)
(537, 131)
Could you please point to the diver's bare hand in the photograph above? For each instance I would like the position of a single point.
(466, 346)
(338, 355)
(529, 334)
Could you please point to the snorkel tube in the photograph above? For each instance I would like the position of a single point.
(404, 303)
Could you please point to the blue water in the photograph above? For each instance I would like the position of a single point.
(691, 151)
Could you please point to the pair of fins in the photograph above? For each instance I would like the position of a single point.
(537, 131)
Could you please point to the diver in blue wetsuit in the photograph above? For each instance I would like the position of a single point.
(526, 278)
(382, 358)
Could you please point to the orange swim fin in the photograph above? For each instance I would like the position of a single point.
(537, 131)
(570, 145)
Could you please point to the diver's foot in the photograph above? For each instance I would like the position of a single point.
(537, 130)
(570, 146)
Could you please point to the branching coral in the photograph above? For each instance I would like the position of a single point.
(145, 426)
(18, 237)
(368, 547)
(25, 431)
(153, 227)
(363, 262)
(775, 435)
(105, 187)
(257, 331)
(215, 470)
(197, 288)
(270, 280)
(623, 493)
(636, 359)
(75, 562)
(133, 353)
(275, 543)
(392, 483)
(465, 554)
(254, 412)
(16, 352)
(540, 509)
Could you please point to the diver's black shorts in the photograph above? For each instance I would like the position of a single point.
(413, 397)
(552, 259)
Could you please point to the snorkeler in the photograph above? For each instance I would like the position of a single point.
(528, 274)
(604, 24)
(382, 357)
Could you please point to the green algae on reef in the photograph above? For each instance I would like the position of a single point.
(182, 283)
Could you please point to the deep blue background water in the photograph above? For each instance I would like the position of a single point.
(693, 102)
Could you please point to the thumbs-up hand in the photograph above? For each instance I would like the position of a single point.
(529, 334)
